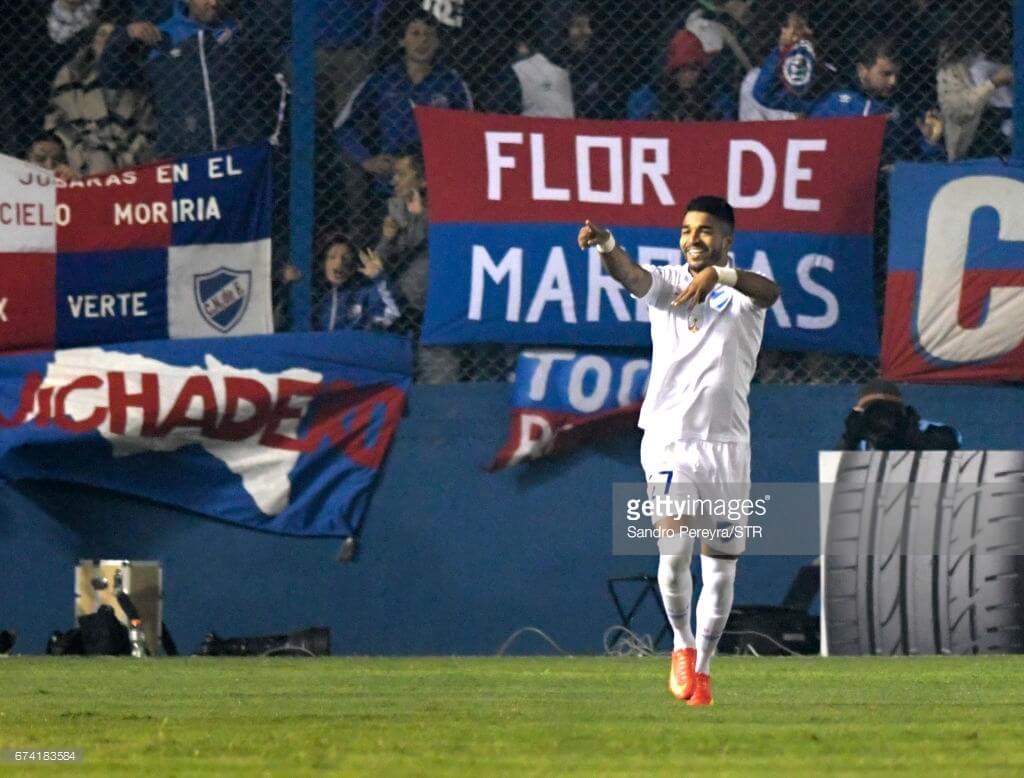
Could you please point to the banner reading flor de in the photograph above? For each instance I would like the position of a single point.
(508, 195)
(954, 301)
(283, 433)
(175, 249)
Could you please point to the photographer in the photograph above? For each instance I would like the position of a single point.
(880, 421)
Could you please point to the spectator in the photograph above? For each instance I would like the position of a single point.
(544, 88)
(36, 38)
(351, 302)
(403, 243)
(346, 35)
(720, 24)
(878, 68)
(794, 68)
(377, 122)
(211, 81)
(920, 26)
(881, 421)
(965, 101)
(47, 151)
(403, 249)
(681, 94)
(101, 129)
(594, 80)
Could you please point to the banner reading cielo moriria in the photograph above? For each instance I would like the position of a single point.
(173, 249)
(508, 195)
(284, 433)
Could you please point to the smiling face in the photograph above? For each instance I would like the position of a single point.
(338, 264)
(704, 240)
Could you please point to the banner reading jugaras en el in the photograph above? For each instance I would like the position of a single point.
(173, 249)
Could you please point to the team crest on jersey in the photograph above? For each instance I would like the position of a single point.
(222, 296)
(695, 318)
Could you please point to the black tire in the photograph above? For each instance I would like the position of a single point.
(930, 564)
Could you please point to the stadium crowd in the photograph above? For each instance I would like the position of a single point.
(95, 85)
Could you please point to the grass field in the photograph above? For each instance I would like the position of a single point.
(934, 716)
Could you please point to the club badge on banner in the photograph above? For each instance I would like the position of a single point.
(954, 300)
(564, 399)
(508, 195)
(174, 249)
(284, 433)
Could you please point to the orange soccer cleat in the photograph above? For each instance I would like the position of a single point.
(701, 690)
(680, 677)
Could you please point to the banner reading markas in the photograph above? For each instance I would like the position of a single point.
(508, 195)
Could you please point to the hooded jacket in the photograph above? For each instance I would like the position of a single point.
(211, 85)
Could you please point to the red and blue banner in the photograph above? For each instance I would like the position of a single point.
(954, 301)
(508, 195)
(284, 433)
(565, 399)
(174, 249)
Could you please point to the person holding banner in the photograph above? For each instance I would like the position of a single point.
(707, 319)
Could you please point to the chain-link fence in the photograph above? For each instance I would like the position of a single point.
(101, 84)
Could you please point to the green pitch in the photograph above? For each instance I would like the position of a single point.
(933, 716)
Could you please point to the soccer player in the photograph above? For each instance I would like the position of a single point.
(707, 319)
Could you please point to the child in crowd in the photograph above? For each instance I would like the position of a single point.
(358, 295)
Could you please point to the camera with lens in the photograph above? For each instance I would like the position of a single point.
(889, 425)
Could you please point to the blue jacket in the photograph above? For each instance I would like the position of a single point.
(212, 86)
(378, 117)
(903, 140)
(359, 305)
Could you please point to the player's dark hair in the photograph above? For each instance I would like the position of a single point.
(877, 48)
(716, 206)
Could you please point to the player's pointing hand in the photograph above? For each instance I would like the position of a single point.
(591, 235)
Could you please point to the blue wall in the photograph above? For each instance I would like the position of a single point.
(452, 559)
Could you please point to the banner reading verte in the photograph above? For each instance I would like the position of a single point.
(173, 249)
(508, 195)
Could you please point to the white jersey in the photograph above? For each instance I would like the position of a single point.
(702, 361)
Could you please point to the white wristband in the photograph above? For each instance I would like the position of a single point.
(608, 246)
(727, 275)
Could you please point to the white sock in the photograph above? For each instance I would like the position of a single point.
(713, 606)
(676, 586)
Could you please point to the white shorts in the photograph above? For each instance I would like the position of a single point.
(699, 469)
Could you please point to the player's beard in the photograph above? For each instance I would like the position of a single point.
(707, 259)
